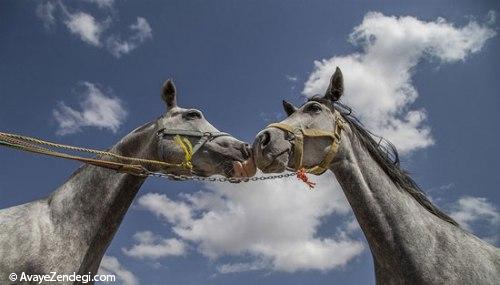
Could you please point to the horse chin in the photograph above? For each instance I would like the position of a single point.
(278, 164)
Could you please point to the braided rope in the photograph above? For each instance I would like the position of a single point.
(20, 140)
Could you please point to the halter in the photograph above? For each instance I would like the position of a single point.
(298, 143)
(189, 150)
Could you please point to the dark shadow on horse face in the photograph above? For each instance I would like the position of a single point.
(223, 155)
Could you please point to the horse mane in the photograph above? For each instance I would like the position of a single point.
(387, 158)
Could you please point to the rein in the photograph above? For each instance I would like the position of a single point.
(299, 133)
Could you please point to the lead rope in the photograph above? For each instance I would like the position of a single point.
(33, 145)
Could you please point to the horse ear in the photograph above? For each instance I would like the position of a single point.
(169, 94)
(336, 87)
(289, 108)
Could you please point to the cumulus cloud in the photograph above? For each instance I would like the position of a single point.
(479, 215)
(163, 207)
(275, 223)
(111, 265)
(469, 210)
(141, 31)
(378, 79)
(86, 27)
(153, 246)
(96, 110)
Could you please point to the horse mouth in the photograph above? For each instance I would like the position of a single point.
(243, 169)
(233, 168)
(277, 163)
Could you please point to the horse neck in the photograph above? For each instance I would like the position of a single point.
(91, 204)
(395, 224)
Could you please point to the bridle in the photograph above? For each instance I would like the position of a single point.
(297, 141)
(204, 137)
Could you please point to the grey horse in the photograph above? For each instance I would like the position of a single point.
(411, 240)
(69, 231)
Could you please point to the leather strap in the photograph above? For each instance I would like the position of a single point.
(204, 136)
(298, 143)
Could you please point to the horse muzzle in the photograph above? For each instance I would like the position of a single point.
(271, 150)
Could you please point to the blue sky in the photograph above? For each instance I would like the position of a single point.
(427, 84)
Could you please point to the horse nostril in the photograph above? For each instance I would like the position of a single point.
(264, 139)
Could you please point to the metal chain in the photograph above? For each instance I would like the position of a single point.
(219, 179)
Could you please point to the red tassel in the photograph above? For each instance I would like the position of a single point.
(302, 175)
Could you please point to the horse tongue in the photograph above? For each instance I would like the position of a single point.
(244, 169)
(238, 169)
(249, 167)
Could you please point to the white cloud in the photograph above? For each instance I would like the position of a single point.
(153, 247)
(448, 186)
(45, 11)
(378, 79)
(291, 78)
(479, 215)
(94, 32)
(274, 223)
(102, 3)
(352, 226)
(173, 212)
(241, 267)
(111, 265)
(469, 210)
(86, 27)
(97, 110)
(141, 31)
(491, 17)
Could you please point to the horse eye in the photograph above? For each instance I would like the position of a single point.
(313, 108)
(190, 115)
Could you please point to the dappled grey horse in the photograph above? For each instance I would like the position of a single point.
(70, 230)
(411, 240)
